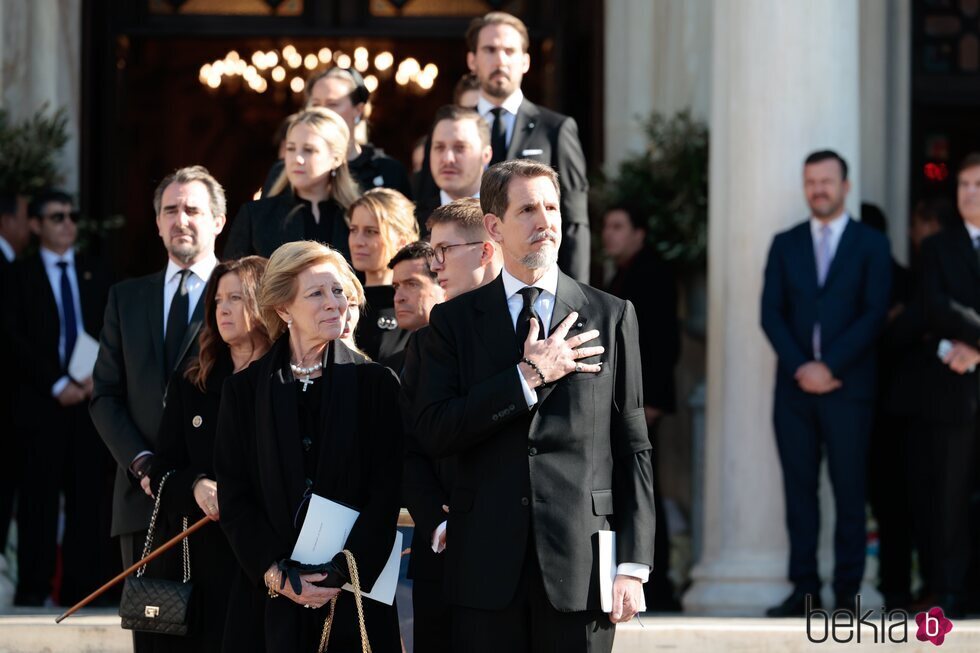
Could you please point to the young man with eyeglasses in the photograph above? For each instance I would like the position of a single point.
(56, 296)
(463, 258)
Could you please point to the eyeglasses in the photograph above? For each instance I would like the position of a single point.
(439, 253)
(61, 216)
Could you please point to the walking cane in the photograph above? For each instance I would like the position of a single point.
(139, 563)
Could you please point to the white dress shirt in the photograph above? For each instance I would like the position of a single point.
(508, 115)
(7, 250)
(200, 273)
(445, 199)
(973, 230)
(51, 260)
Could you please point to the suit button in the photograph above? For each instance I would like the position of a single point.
(524, 501)
(307, 443)
(511, 407)
(532, 451)
(494, 417)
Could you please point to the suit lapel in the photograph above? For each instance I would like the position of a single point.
(843, 254)
(494, 325)
(806, 254)
(965, 246)
(568, 298)
(292, 228)
(524, 123)
(87, 294)
(153, 300)
(193, 327)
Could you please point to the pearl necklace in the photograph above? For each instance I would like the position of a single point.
(297, 370)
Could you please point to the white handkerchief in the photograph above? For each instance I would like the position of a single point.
(83, 357)
(533, 152)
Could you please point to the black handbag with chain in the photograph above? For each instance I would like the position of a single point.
(158, 605)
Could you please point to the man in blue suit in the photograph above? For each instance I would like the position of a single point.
(825, 299)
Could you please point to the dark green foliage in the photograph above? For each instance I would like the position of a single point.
(29, 149)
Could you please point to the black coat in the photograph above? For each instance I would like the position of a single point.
(130, 380)
(577, 463)
(260, 469)
(377, 333)
(186, 445)
(649, 284)
(262, 225)
(951, 298)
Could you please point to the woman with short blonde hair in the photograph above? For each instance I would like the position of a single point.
(311, 417)
(310, 199)
(382, 221)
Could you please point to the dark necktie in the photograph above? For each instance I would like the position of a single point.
(523, 326)
(176, 322)
(68, 312)
(498, 136)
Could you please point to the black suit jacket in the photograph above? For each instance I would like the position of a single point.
(34, 323)
(261, 226)
(951, 296)
(428, 481)
(576, 463)
(549, 137)
(130, 386)
(851, 307)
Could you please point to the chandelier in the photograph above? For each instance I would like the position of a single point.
(262, 69)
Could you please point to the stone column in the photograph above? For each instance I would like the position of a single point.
(41, 62)
(784, 83)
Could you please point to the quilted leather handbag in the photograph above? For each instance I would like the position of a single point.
(158, 605)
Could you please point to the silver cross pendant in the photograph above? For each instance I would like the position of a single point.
(306, 382)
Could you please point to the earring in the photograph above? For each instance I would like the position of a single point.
(333, 173)
(289, 323)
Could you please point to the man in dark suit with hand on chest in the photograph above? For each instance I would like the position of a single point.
(533, 381)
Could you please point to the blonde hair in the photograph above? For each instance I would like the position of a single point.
(396, 218)
(279, 285)
(333, 130)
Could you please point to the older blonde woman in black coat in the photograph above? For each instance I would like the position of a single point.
(311, 417)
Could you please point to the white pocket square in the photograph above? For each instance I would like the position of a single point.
(531, 152)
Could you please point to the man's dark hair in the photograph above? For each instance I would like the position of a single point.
(454, 113)
(936, 209)
(39, 201)
(420, 249)
(827, 155)
(468, 82)
(496, 182)
(8, 204)
(465, 213)
(971, 160)
(637, 216)
(495, 18)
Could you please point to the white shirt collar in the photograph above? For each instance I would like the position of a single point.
(51, 259)
(548, 283)
(202, 269)
(510, 105)
(445, 199)
(8, 251)
(836, 225)
(973, 230)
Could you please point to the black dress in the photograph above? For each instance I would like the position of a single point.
(377, 333)
(341, 439)
(263, 225)
(186, 444)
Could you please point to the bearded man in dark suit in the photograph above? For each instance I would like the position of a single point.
(533, 381)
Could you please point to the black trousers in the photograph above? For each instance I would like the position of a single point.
(806, 426)
(432, 616)
(76, 463)
(889, 493)
(530, 623)
(955, 450)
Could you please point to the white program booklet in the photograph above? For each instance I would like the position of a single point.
(324, 534)
(607, 568)
(83, 357)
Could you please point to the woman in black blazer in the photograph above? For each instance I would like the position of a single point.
(309, 202)
(311, 417)
(382, 221)
(232, 336)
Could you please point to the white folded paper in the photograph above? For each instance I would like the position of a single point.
(83, 357)
(607, 568)
(324, 535)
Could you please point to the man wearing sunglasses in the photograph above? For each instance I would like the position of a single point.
(57, 296)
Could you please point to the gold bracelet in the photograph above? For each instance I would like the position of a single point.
(269, 586)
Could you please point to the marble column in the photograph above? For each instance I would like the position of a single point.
(41, 62)
(784, 82)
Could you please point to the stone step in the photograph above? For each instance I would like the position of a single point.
(98, 631)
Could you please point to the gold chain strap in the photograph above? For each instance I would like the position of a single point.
(355, 581)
